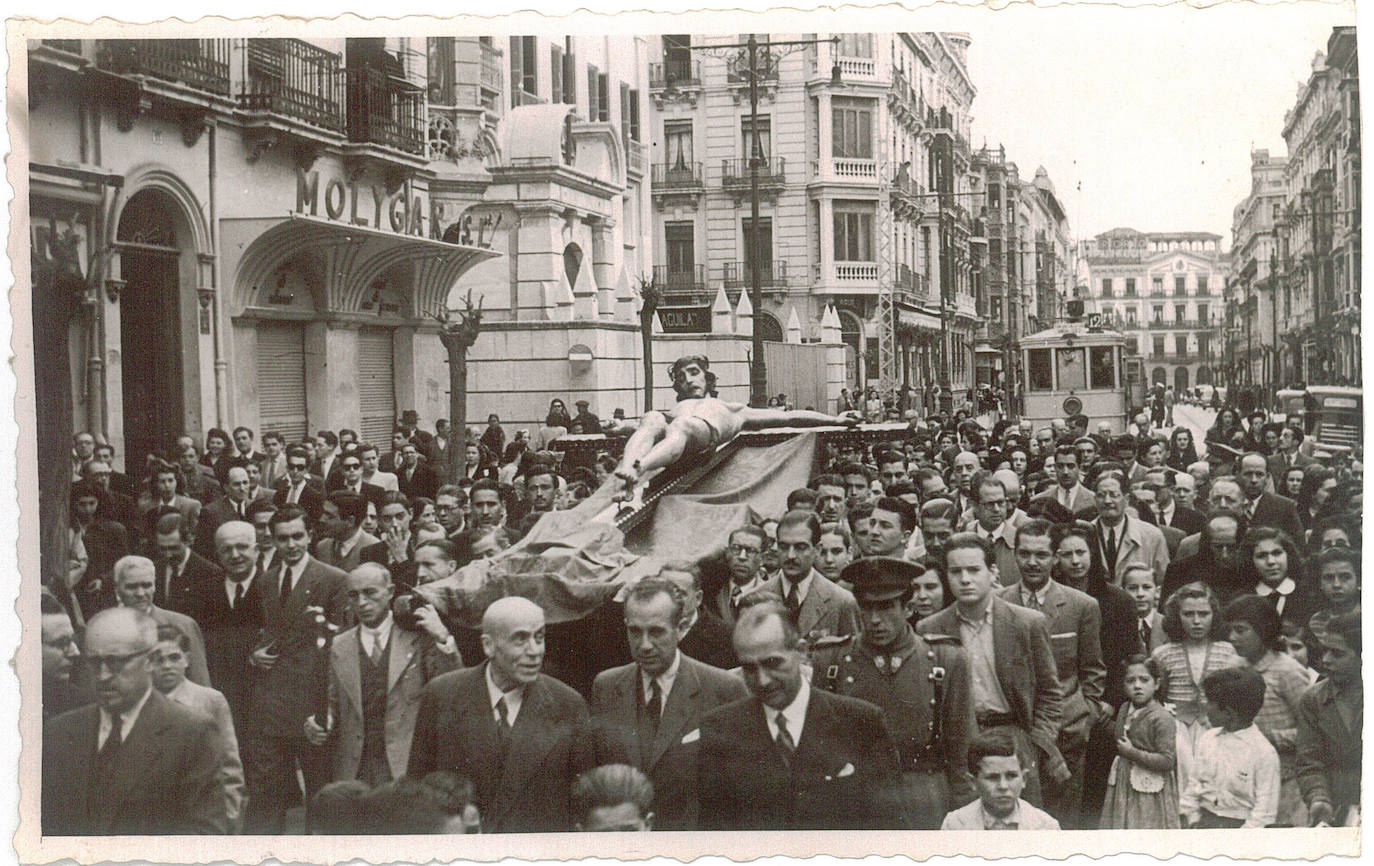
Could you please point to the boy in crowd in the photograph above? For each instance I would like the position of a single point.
(1235, 782)
(999, 777)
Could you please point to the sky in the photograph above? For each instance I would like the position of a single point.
(1154, 111)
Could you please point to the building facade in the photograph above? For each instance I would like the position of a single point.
(1165, 291)
(1026, 268)
(1251, 317)
(1319, 233)
(864, 188)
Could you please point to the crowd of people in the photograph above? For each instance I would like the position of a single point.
(963, 628)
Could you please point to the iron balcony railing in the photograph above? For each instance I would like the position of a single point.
(202, 64)
(680, 281)
(679, 73)
(294, 79)
(738, 275)
(735, 172)
(384, 110)
(677, 175)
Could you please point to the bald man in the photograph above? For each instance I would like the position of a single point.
(133, 763)
(521, 736)
(230, 614)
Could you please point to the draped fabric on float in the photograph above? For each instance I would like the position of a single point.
(570, 563)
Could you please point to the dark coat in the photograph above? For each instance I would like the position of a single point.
(212, 516)
(424, 481)
(1280, 512)
(163, 780)
(371, 492)
(183, 595)
(843, 776)
(550, 745)
(710, 641)
(230, 635)
(1187, 519)
(669, 761)
(292, 689)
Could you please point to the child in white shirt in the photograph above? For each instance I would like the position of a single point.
(1236, 778)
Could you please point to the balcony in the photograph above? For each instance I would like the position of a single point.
(294, 81)
(682, 286)
(677, 80)
(838, 169)
(524, 97)
(491, 68)
(1179, 325)
(70, 46)
(737, 275)
(199, 64)
(857, 67)
(847, 278)
(385, 111)
(734, 175)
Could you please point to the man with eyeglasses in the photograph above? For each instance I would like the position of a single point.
(990, 523)
(1125, 540)
(1168, 511)
(351, 478)
(298, 488)
(133, 763)
(135, 580)
(744, 561)
(61, 654)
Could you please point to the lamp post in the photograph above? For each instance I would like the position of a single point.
(754, 61)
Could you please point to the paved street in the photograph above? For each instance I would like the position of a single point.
(1196, 418)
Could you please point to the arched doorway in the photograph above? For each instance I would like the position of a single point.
(768, 327)
(158, 351)
(1204, 375)
(1180, 379)
(1158, 376)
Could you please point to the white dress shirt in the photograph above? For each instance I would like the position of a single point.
(794, 713)
(665, 680)
(515, 698)
(803, 586)
(126, 721)
(375, 639)
(296, 571)
(231, 588)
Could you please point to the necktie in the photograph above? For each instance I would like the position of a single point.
(238, 596)
(793, 604)
(1145, 634)
(376, 654)
(238, 506)
(654, 708)
(786, 745)
(1033, 602)
(503, 719)
(1109, 548)
(113, 741)
(285, 581)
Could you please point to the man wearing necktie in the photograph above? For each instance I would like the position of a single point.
(133, 763)
(296, 487)
(1264, 508)
(1125, 540)
(233, 505)
(643, 712)
(819, 606)
(521, 736)
(744, 561)
(790, 757)
(377, 672)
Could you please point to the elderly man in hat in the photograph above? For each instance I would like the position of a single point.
(699, 422)
(921, 682)
(586, 420)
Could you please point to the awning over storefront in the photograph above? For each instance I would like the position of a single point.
(352, 259)
(910, 318)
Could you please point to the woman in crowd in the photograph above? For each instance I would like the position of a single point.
(1272, 566)
(1227, 423)
(1318, 486)
(1331, 532)
(556, 425)
(1182, 451)
(1292, 482)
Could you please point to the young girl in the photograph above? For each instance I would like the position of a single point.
(1142, 791)
(1192, 622)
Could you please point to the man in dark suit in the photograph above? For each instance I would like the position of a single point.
(122, 509)
(198, 481)
(1167, 511)
(1075, 623)
(414, 477)
(521, 736)
(243, 447)
(1216, 561)
(377, 671)
(233, 505)
(350, 477)
(180, 570)
(296, 488)
(708, 637)
(1288, 455)
(642, 712)
(1267, 509)
(134, 763)
(1011, 660)
(820, 607)
(230, 613)
(289, 685)
(790, 757)
(423, 439)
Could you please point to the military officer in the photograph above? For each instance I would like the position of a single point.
(921, 682)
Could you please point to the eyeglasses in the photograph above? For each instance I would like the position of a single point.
(300, 466)
(347, 466)
(741, 550)
(115, 664)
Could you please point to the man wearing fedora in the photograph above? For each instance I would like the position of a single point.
(921, 683)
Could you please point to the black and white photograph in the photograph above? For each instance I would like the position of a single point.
(749, 427)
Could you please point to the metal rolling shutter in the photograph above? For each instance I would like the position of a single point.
(376, 387)
(281, 379)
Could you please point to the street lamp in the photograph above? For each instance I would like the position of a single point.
(754, 64)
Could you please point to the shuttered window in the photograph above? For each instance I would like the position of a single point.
(376, 386)
(281, 379)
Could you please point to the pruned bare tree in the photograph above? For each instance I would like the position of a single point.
(458, 329)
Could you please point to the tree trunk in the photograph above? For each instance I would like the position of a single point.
(458, 415)
(646, 323)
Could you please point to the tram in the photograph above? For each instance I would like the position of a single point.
(1074, 368)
